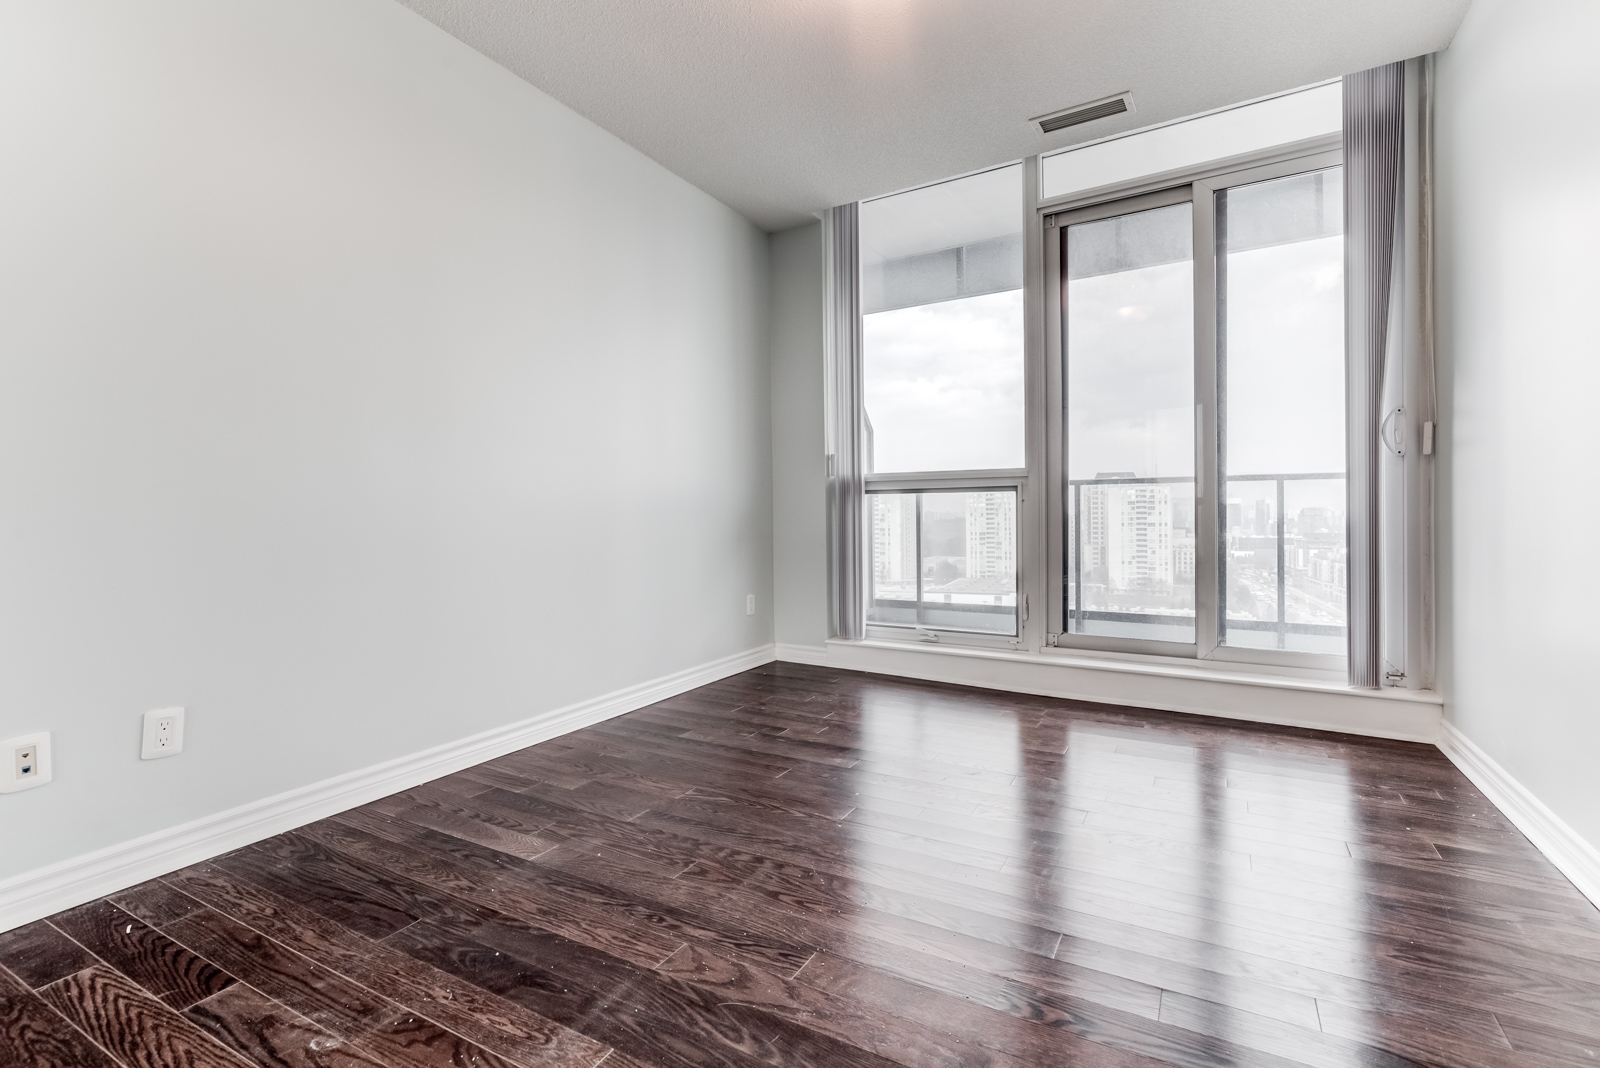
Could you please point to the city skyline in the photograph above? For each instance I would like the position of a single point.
(955, 556)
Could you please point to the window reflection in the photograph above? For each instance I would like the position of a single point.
(1204, 881)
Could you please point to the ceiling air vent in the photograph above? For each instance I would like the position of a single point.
(1099, 109)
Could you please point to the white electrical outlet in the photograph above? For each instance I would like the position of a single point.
(163, 733)
(26, 762)
(749, 604)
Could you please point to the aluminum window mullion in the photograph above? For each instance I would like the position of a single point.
(1208, 549)
(918, 561)
(1033, 530)
(1055, 476)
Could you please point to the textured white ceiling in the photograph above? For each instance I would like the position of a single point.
(782, 107)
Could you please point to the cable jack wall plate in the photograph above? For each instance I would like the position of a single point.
(25, 762)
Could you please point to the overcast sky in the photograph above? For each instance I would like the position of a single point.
(944, 384)
(944, 381)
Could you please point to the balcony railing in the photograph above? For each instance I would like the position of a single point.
(977, 618)
(1078, 616)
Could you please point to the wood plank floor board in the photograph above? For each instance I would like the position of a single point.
(320, 994)
(844, 738)
(1058, 918)
(350, 1002)
(878, 1030)
(908, 942)
(1564, 1045)
(154, 902)
(362, 898)
(155, 962)
(268, 1033)
(33, 1033)
(822, 837)
(368, 1021)
(931, 1006)
(1316, 1048)
(1077, 1019)
(39, 954)
(618, 1059)
(1264, 968)
(663, 1019)
(1477, 1030)
(798, 866)
(448, 889)
(1433, 1041)
(557, 893)
(617, 771)
(780, 797)
(484, 776)
(137, 1028)
(749, 908)
(463, 819)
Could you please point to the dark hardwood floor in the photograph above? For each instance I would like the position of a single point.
(803, 867)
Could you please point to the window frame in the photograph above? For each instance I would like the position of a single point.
(947, 482)
(1197, 187)
(1040, 485)
(1020, 479)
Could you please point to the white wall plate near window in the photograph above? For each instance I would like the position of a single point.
(24, 762)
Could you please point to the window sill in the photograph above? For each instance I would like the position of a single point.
(1267, 695)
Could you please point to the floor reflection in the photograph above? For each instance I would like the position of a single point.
(1194, 892)
(796, 866)
(1193, 879)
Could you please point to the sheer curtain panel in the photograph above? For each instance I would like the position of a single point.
(842, 356)
(1374, 109)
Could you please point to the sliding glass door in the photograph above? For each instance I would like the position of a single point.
(1280, 362)
(1195, 356)
(1128, 320)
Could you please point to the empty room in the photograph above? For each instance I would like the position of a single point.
(805, 534)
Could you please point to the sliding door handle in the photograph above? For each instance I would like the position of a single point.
(1392, 431)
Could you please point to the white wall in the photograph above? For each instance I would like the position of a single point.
(799, 462)
(354, 395)
(1519, 334)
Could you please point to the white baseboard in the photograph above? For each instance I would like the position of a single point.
(815, 655)
(44, 891)
(1576, 858)
(1227, 693)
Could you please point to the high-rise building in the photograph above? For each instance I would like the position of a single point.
(1317, 520)
(992, 535)
(1128, 535)
(894, 539)
(1183, 557)
(1263, 518)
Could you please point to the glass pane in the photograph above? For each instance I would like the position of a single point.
(945, 561)
(941, 288)
(1280, 332)
(1129, 338)
(969, 561)
(894, 559)
(1264, 124)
